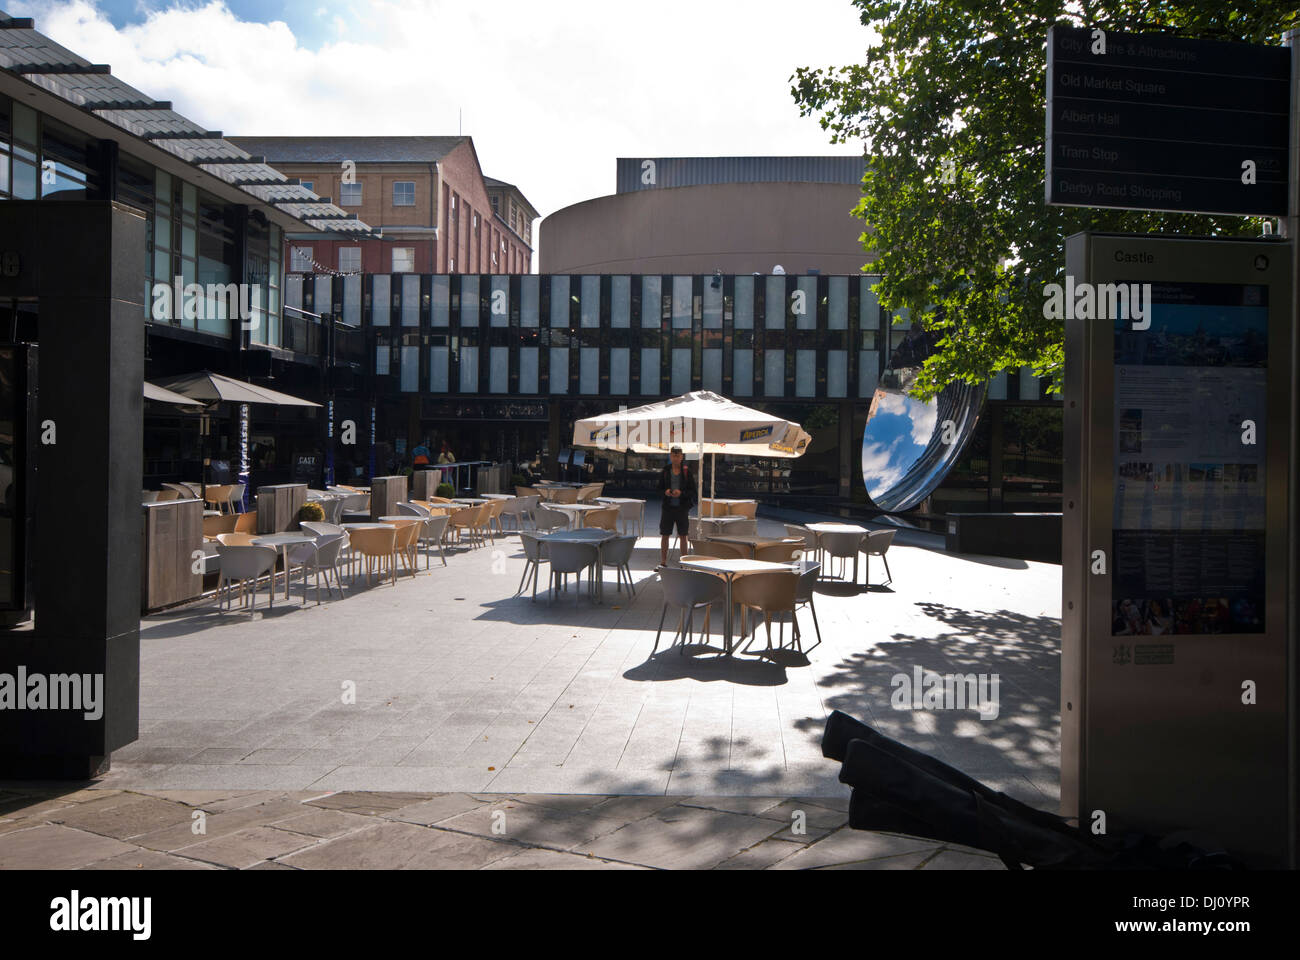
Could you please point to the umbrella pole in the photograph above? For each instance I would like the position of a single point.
(713, 482)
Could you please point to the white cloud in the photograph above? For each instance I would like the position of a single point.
(552, 93)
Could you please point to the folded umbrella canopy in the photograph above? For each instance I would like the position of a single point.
(154, 392)
(211, 388)
(700, 421)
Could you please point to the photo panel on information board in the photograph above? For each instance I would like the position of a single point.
(1189, 509)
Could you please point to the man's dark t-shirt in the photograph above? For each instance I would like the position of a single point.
(684, 482)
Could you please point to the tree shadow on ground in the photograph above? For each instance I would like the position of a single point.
(681, 663)
(1021, 741)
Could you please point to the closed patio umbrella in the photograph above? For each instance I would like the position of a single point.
(701, 420)
(154, 392)
(210, 388)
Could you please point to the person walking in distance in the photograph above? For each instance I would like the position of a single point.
(677, 484)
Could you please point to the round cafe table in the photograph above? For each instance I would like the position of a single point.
(282, 542)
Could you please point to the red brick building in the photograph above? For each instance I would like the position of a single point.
(428, 196)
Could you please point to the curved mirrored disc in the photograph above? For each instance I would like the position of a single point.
(909, 445)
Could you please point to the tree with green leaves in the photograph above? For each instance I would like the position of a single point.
(950, 105)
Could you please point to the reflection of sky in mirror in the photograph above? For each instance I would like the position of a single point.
(898, 430)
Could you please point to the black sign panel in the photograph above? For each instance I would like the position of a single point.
(1150, 122)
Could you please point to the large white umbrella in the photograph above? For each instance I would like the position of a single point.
(700, 421)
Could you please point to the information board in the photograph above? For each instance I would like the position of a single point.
(1154, 122)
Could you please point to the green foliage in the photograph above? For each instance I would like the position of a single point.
(518, 480)
(445, 490)
(311, 512)
(951, 107)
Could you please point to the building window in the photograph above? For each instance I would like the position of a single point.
(350, 194)
(404, 193)
(496, 204)
(403, 259)
(300, 260)
(349, 259)
(308, 185)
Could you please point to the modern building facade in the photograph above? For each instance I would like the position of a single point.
(501, 366)
(706, 214)
(124, 230)
(426, 196)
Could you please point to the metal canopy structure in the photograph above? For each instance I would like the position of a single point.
(90, 87)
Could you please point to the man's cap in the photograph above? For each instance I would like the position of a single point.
(675, 450)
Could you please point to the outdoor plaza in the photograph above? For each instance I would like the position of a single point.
(450, 692)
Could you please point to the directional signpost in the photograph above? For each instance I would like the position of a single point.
(1152, 122)
(1178, 633)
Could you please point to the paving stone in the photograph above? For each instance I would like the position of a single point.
(436, 809)
(852, 846)
(393, 845)
(682, 837)
(957, 860)
(532, 824)
(762, 856)
(54, 847)
(221, 824)
(631, 808)
(539, 859)
(323, 823)
(245, 848)
(368, 803)
(125, 816)
(142, 859)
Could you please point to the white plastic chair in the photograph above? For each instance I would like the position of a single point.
(243, 563)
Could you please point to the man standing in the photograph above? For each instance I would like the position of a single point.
(677, 483)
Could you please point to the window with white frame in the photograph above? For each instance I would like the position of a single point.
(403, 193)
(349, 259)
(403, 259)
(350, 194)
(300, 260)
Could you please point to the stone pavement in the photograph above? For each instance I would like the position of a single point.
(461, 686)
(104, 829)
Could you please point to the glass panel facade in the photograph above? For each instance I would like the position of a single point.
(410, 369)
(744, 303)
(837, 373)
(438, 360)
(559, 370)
(805, 373)
(868, 372)
(774, 303)
(499, 307)
(589, 370)
(590, 304)
(469, 301)
(560, 302)
(651, 302)
(682, 306)
(620, 360)
(620, 302)
(681, 380)
(528, 370)
(440, 302)
(774, 373)
(650, 371)
(468, 369)
(711, 371)
(528, 295)
(499, 370)
(807, 303)
(381, 299)
(837, 309)
(352, 300)
(712, 305)
(742, 373)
